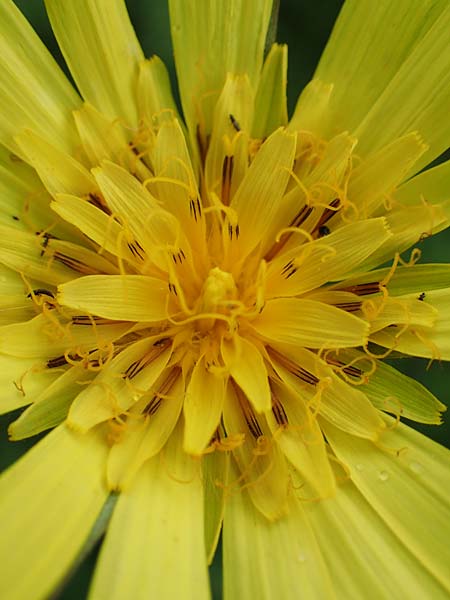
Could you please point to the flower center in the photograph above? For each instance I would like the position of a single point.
(217, 292)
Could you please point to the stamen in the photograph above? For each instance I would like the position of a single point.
(278, 410)
(292, 367)
(97, 201)
(138, 365)
(163, 392)
(227, 173)
(363, 289)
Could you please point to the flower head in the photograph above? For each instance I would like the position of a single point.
(197, 305)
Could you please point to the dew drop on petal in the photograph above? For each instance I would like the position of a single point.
(416, 467)
(383, 475)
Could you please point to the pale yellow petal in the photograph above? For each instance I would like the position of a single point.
(101, 51)
(309, 323)
(51, 405)
(262, 467)
(301, 440)
(325, 393)
(33, 91)
(119, 385)
(59, 171)
(49, 502)
(144, 439)
(154, 547)
(21, 380)
(399, 486)
(246, 365)
(267, 560)
(369, 45)
(211, 40)
(106, 139)
(215, 469)
(372, 182)
(392, 391)
(308, 266)
(23, 199)
(422, 88)
(45, 337)
(271, 100)
(202, 408)
(256, 200)
(127, 297)
(227, 158)
(357, 547)
(154, 96)
(429, 342)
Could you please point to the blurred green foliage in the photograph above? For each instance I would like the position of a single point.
(305, 26)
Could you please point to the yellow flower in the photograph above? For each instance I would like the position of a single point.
(194, 306)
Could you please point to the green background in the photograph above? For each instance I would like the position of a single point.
(305, 26)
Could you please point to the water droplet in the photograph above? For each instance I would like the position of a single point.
(301, 557)
(359, 467)
(383, 475)
(416, 467)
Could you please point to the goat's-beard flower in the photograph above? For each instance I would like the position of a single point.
(194, 306)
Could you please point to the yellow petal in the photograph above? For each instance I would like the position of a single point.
(50, 407)
(104, 138)
(262, 467)
(271, 101)
(59, 171)
(309, 323)
(357, 546)
(400, 310)
(422, 88)
(155, 100)
(429, 342)
(211, 40)
(42, 337)
(202, 407)
(392, 391)
(34, 93)
(93, 222)
(125, 379)
(325, 393)
(23, 198)
(144, 440)
(127, 297)
(369, 45)
(101, 51)
(377, 177)
(164, 505)
(271, 560)
(49, 499)
(400, 486)
(301, 440)
(215, 468)
(21, 380)
(246, 365)
(227, 158)
(24, 252)
(308, 266)
(256, 200)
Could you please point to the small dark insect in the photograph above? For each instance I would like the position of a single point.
(41, 292)
(421, 296)
(15, 218)
(324, 230)
(235, 123)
